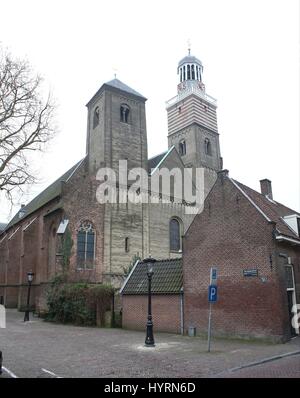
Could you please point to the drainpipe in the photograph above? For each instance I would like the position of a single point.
(181, 312)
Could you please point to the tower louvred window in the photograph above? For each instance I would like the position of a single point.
(96, 117)
(207, 147)
(182, 148)
(124, 113)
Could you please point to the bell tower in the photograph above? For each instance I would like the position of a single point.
(116, 127)
(192, 118)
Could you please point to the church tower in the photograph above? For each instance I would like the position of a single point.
(116, 127)
(192, 118)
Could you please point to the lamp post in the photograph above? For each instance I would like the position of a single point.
(149, 342)
(29, 279)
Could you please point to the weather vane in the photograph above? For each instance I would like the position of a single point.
(115, 72)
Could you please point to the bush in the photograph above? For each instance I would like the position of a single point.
(78, 303)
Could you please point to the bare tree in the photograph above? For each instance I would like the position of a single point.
(26, 121)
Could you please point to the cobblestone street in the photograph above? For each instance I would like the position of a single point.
(39, 349)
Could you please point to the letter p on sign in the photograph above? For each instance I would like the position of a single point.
(212, 293)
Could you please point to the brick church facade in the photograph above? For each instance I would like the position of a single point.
(251, 239)
(65, 228)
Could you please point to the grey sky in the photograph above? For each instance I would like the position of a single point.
(250, 53)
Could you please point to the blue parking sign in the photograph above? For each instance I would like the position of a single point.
(212, 293)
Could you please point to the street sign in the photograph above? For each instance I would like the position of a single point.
(212, 293)
(213, 276)
(250, 272)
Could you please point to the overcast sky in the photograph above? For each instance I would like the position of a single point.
(250, 53)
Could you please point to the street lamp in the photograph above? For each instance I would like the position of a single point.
(149, 342)
(29, 279)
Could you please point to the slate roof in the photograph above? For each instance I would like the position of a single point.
(50, 193)
(167, 278)
(2, 227)
(272, 209)
(117, 84)
(154, 161)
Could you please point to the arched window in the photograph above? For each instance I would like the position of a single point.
(124, 113)
(96, 117)
(175, 235)
(182, 148)
(85, 246)
(207, 147)
(184, 74)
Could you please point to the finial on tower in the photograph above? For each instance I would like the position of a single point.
(189, 46)
(115, 72)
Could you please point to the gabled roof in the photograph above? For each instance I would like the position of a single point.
(118, 85)
(50, 193)
(2, 226)
(272, 210)
(167, 278)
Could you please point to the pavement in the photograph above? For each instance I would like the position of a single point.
(39, 349)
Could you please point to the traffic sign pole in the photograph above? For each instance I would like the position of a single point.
(209, 327)
(212, 298)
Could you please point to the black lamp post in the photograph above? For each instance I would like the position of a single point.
(30, 279)
(149, 342)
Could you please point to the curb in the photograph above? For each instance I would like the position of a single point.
(265, 360)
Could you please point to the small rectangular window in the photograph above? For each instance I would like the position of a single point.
(298, 225)
(127, 245)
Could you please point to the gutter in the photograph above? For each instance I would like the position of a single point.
(286, 239)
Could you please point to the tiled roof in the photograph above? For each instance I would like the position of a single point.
(272, 209)
(166, 279)
(50, 193)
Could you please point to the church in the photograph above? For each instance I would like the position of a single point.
(66, 229)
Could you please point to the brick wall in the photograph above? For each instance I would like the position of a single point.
(165, 312)
(25, 248)
(79, 196)
(232, 235)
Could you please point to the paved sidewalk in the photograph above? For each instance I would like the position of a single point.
(287, 367)
(41, 349)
